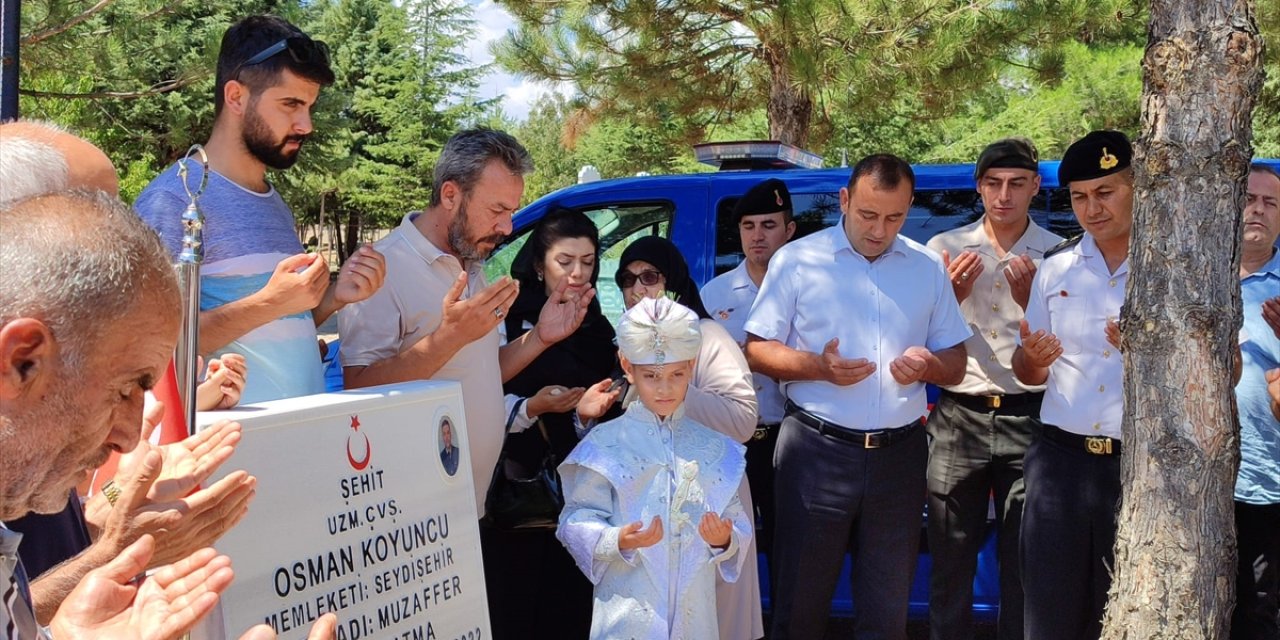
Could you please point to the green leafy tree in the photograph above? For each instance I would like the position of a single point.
(561, 144)
(1098, 89)
(708, 60)
(401, 88)
(1266, 113)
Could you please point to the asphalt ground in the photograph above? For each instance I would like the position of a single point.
(842, 629)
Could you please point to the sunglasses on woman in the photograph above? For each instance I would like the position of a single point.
(302, 49)
(648, 278)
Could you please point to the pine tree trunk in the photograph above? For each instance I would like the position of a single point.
(1175, 549)
(790, 107)
(354, 220)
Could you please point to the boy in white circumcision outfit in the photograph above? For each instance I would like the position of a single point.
(651, 507)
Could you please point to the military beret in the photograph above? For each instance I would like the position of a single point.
(1097, 154)
(770, 196)
(1009, 153)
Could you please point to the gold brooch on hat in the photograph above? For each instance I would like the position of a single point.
(1107, 161)
(777, 197)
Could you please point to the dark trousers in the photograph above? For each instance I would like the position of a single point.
(760, 477)
(1258, 579)
(534, 588)
(973, 457)
(1068, 539)
(835, 496)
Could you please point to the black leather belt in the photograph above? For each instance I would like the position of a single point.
(1019, 404)
(865, 439)
(1096, 445)
(762, 430)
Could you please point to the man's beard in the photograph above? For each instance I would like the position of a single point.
(464, 247)
(261, 143)
(50, 477)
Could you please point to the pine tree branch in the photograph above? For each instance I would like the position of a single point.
(730, 13)
(53, 31)
(166, 9)
(163, 87)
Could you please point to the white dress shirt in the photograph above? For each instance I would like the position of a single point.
(819, 288)
(728, 298)
(1073, 295)
(992, 314)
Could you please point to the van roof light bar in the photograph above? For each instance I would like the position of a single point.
(755, 155)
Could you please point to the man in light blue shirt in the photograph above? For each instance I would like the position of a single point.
(261, 295)
(854, 320)
(1258, 484)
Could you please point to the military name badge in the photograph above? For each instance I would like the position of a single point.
(1107, 160)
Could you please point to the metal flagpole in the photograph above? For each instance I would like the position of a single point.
(188, 268)
(10, 41)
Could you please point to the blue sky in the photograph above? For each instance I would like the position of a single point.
(518, 94)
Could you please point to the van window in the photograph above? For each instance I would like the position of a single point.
(619, 226)
(931, 213)
(813, 212)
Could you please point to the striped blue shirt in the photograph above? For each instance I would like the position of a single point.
(245, 235)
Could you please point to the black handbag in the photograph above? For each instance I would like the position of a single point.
(524, 503)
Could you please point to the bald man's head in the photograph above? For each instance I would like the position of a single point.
(86, 166)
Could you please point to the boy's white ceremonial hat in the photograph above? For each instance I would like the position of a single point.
(659, 331)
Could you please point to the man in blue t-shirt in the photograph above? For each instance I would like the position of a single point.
(261, 295)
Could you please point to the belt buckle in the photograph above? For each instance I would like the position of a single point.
(867, 442)
(1098, 446)
(760, 433)
(993, 402)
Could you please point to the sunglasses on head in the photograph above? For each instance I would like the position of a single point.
(302, 49)
(648, 278)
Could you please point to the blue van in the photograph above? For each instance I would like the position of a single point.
(694, 211)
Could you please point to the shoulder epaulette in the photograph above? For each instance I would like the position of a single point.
(1063, 246)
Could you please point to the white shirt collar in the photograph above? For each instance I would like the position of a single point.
(1088, 249)
(840, 242)
(740, 278)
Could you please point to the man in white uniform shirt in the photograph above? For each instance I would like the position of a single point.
(854, 320)
(765, 223)
(981, 427)
(1072, 472)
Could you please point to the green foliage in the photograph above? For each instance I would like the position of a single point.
(1266, 113)
(616, 147)
(707, 61)
(1099, 89)
(931, 80)
(136, 78)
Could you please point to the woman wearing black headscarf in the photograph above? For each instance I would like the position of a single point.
(722, 396)
(535, 590)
